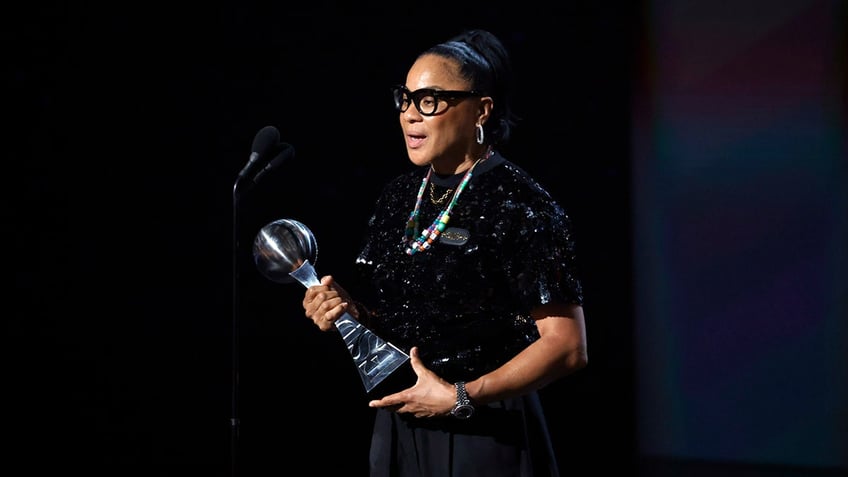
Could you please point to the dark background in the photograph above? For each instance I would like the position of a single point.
(130, 248)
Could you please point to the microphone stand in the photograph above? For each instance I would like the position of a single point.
(234, 417)
(283, 152)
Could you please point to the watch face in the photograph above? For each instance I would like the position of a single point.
(463, 411)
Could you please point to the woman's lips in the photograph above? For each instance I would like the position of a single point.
(414, 142)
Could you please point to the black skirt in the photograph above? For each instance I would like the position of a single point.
(508, 438)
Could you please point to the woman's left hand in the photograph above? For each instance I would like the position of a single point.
(431, 396)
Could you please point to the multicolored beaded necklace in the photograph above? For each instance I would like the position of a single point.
(431, 234)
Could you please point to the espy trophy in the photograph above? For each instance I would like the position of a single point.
(284, 251)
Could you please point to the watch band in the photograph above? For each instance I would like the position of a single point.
(463, 409)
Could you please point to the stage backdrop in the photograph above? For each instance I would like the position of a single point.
(739, 192)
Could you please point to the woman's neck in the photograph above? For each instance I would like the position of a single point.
(449, 168)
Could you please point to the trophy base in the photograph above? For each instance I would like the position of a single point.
(401, 378)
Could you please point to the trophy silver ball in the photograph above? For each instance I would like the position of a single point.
(281, 247)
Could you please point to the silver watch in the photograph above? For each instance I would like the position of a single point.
(463, 408)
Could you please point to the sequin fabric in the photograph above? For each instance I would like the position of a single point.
(467, 304)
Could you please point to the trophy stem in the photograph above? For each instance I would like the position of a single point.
(306, 274)
(375, 358)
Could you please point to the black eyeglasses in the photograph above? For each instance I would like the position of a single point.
(428, 101)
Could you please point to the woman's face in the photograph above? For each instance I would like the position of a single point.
(445, 140)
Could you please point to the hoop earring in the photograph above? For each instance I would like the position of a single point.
(480, 134)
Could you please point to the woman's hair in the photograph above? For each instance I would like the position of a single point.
(484, 61)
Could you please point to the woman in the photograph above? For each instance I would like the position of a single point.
(472, 265)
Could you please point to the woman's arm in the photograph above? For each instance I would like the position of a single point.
(559, 351)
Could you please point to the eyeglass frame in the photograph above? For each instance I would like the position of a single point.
(414, 97)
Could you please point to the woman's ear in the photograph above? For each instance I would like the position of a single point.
(486, 105)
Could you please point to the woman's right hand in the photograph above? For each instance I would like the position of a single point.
(326, 303)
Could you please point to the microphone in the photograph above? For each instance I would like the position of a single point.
(286, 152)
(265, 141)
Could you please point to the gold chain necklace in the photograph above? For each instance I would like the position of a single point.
(441, 199)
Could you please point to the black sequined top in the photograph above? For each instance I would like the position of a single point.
(466, 301)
